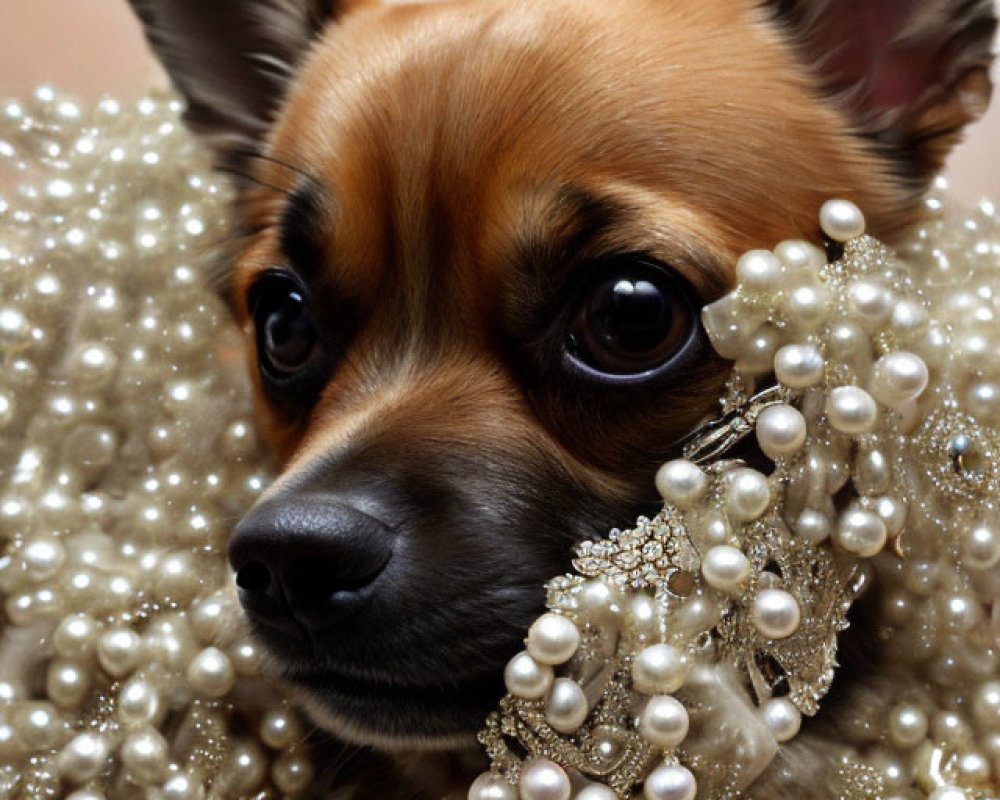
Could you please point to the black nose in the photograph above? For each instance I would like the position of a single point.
(306, 560)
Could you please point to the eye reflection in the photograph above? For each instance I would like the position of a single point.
(633, 319)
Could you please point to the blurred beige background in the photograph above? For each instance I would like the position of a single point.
(92, 47)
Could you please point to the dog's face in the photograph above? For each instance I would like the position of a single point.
(476, 238)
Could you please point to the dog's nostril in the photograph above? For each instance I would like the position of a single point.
(313, 582)
(254, 577)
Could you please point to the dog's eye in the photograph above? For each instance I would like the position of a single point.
(286, 335)
(634, 317)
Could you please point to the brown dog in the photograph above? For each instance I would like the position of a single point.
(475, 240)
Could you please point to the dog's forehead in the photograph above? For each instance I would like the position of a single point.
(433, 128)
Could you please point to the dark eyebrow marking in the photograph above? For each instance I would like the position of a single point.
(572, 225)
(558, 227)
(301, 226)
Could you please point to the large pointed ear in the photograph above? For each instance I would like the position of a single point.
(232, 61)
(910, 74)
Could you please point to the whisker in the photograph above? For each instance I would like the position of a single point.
(254, 155)
(237, 173)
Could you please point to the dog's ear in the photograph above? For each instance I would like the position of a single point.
(232, 60)
(910, 74)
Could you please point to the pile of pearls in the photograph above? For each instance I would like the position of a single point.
(126, 451)
(879, 464)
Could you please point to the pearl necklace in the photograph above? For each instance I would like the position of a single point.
(681, 655)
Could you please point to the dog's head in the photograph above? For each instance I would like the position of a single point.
(476, 239)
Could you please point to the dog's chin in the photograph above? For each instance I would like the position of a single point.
(395, 718)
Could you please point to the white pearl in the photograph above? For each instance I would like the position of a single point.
(643, 615)
(526, 678)
(243, 770)
(861, 532)
(491, 787)
(848, 343)
(781, 430)
(852, 410)
(566, 706)
(981, 548)
(893, 513)
(812, 526)
(907, 726)
(596, 792)
(986, 705)
(799, 366)
(664, 722)
(974, 769)
(291, 773)
(758, 271)
(279, 729)
(807, 306)
(608, 746)
(599, 602)
(909, 318)
(898, 377)
(725, 568)
(211, 673)
(776, 613)
(715, 529)
(872, 472)
(670, 782)
(747, 494)
(82, 758)
(948, 793)
(246, 657)
(841, 220)
(660, 669)
(39, 725)
(43, 557)
(757, 351)
(67, 683)
(177, 577)
(544, 780)
(782, 718)
(949, 728)
(120, 651)
(552, 639)
(721, 323)
(214, 619)
(797, 254)
(138, 703)
(681, 482)
(182, 787)
(870, 301)
(145, 755)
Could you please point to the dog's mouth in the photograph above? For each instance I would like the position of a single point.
(373, 710)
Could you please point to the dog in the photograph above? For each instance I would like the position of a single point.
(474, 240)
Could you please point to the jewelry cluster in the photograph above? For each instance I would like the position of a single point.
(125, 670)
(680, 658)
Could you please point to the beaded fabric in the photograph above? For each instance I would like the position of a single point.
(124, 663)
(693, 654)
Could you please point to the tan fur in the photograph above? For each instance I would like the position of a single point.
(445, 136)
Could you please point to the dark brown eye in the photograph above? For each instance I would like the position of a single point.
(633, 319)
(286, 335)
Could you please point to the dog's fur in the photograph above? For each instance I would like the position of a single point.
(445, 178)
